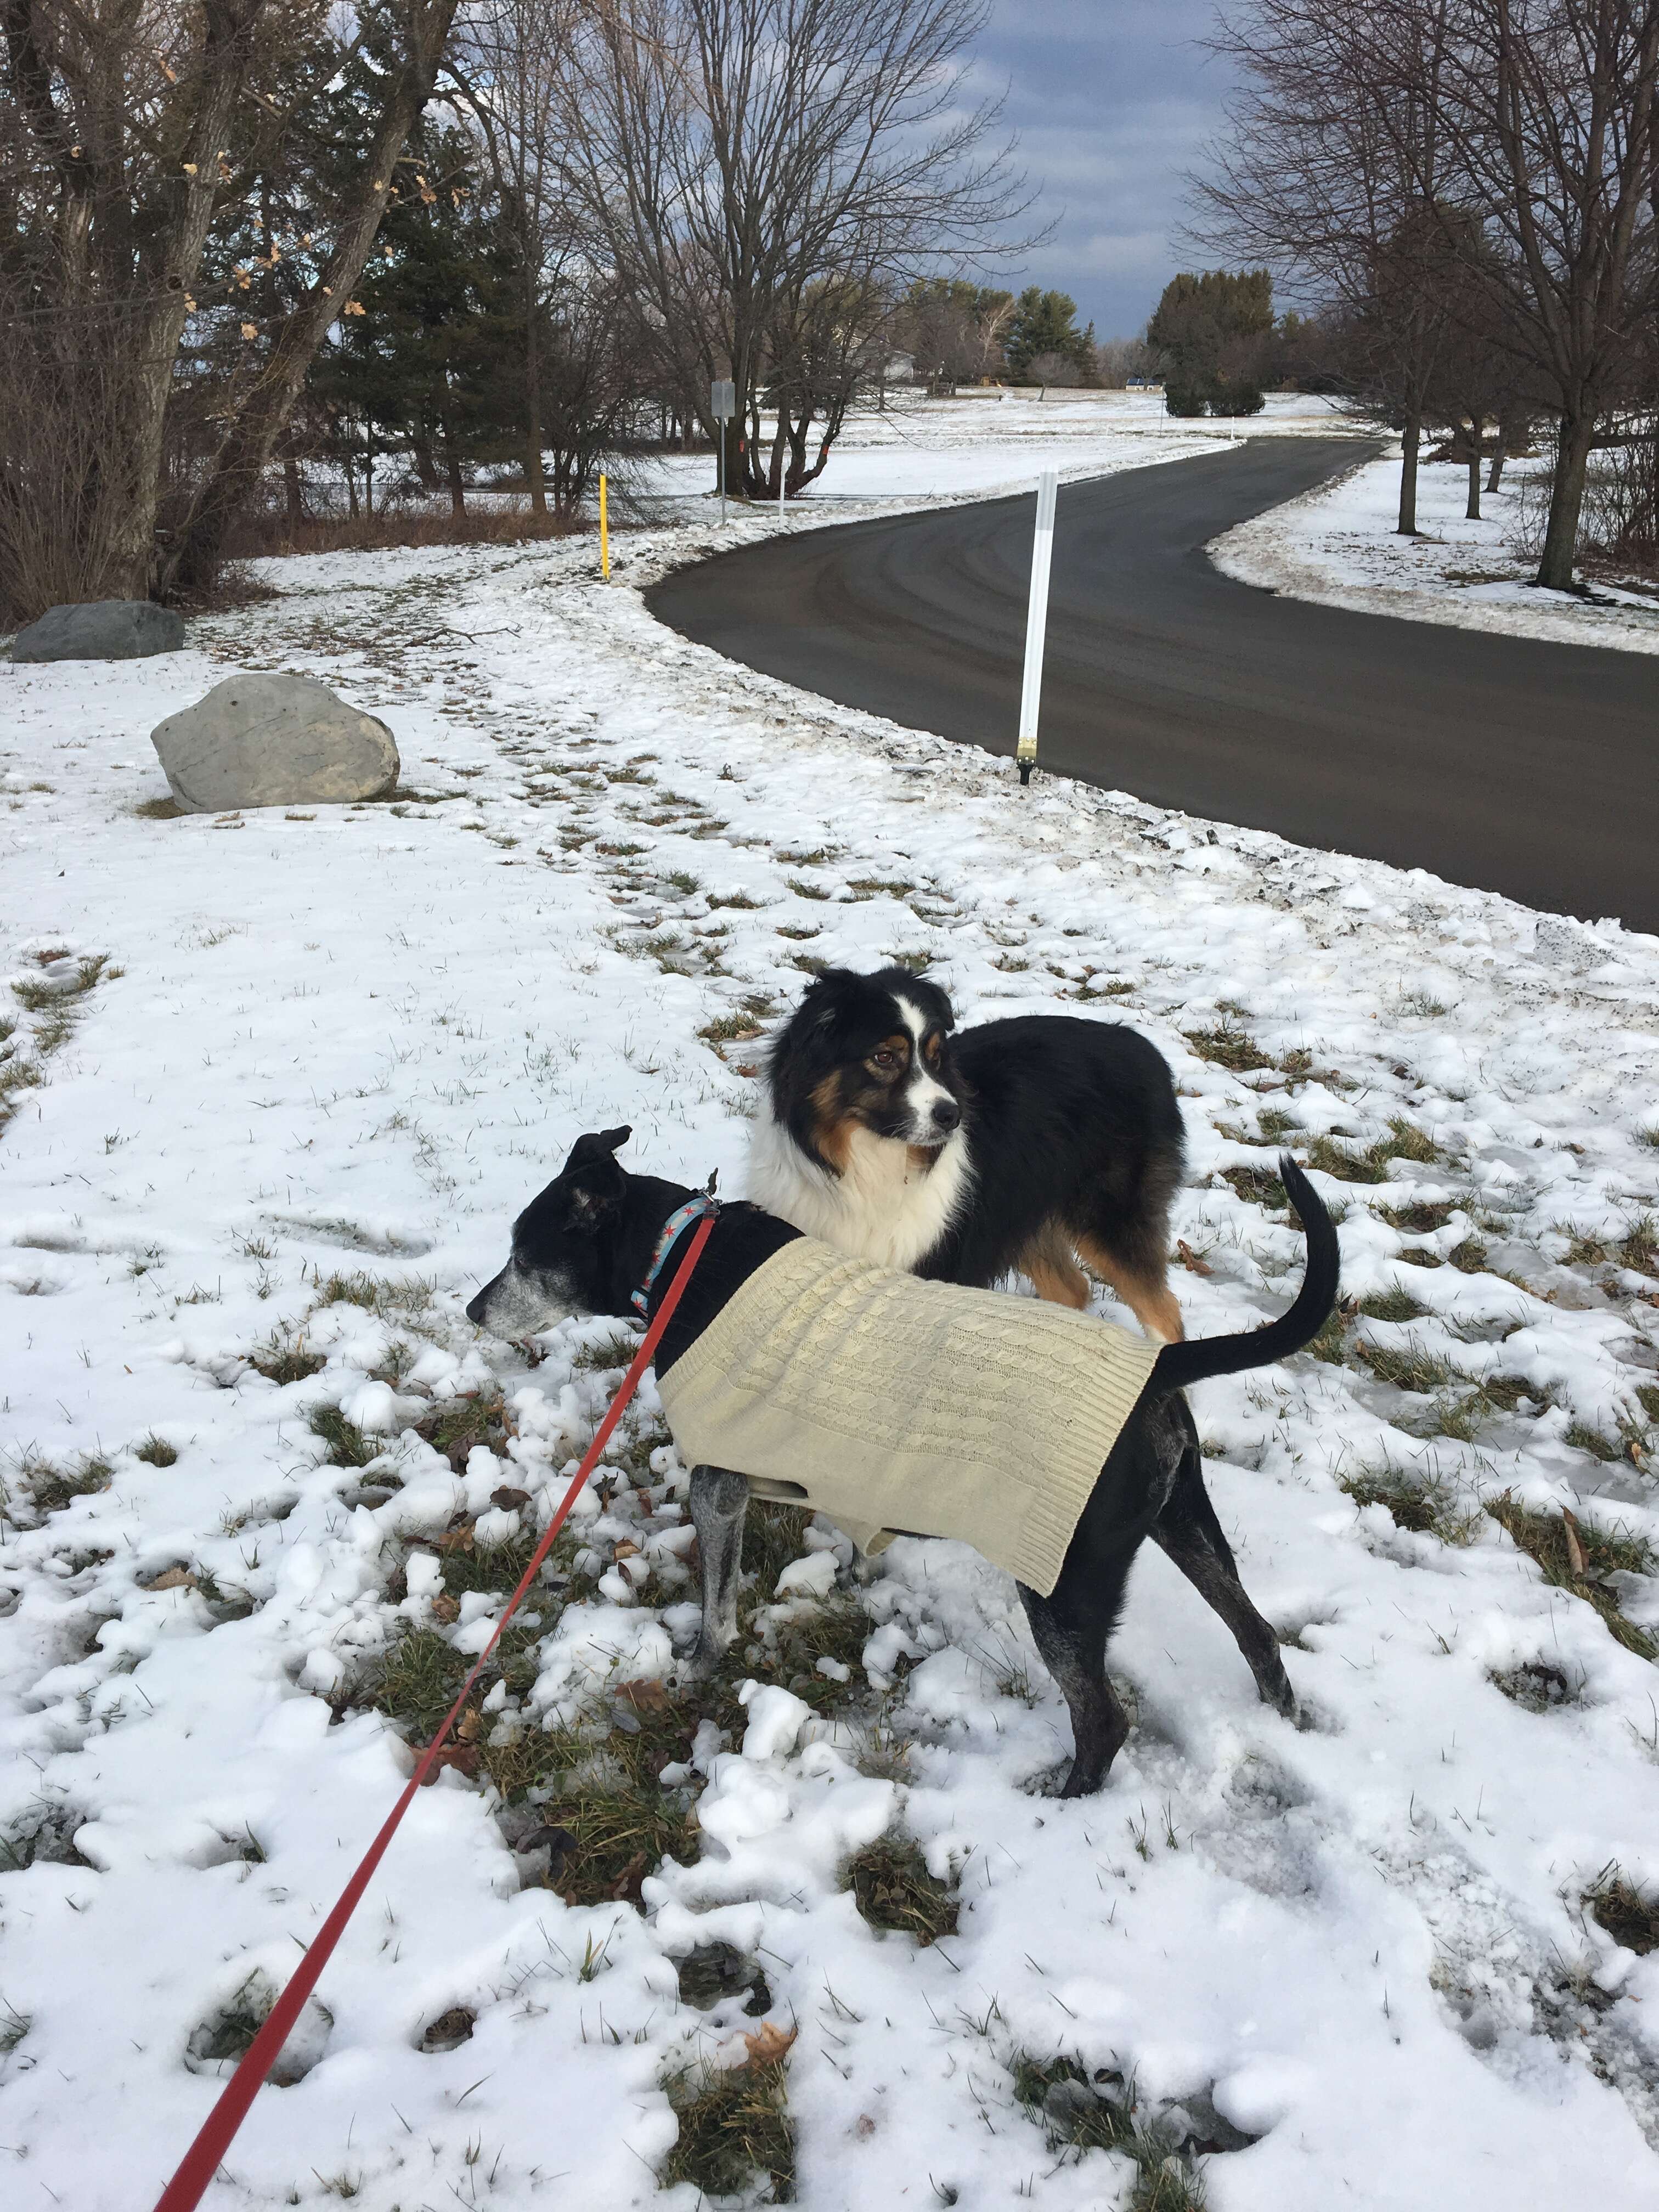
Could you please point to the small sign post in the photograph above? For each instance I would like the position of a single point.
(1037, 622)
(722, 405)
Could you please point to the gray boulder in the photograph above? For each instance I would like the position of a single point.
(274, 741)
(107, 629)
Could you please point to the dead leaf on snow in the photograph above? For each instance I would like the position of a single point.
(770, 2044)
(174, 1578)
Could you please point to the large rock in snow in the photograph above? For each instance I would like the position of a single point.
(274, 741)
(107, 629)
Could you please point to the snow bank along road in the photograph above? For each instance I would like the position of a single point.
(1512, 765)
(265, 1489)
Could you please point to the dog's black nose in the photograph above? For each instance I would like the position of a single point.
(474, 1310)
(946, 1114)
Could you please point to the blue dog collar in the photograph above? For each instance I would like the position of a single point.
(675, 1227)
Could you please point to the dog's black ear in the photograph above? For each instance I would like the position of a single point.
(592, 1182)
(825, 995)
(602, 1144)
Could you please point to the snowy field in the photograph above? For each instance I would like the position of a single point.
(1339, 544)
(984, 440)
(264, 1485)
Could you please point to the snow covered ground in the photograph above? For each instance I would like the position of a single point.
(297, 1072)
(1339, 544)
(985, 441)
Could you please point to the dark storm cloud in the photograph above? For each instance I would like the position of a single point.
(1111, 103)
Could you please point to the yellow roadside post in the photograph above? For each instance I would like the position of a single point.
(604, 533)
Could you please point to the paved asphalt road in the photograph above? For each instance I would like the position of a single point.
(1510, 764)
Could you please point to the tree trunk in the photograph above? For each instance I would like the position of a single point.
(1495, 475)
(242, 458)
(351, 488)
(457, 489)
(1410, 438)
(296, 506)
(1472, 511)
(174, 263)
(1572, 452)
(425, 467)
(532, 375)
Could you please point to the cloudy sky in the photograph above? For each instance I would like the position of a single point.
(1112, 100)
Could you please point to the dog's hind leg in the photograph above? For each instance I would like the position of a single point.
(1143, 1284)
(720, 1499)
(1072, 1629)
(1053, 1274)
(1189, 1533)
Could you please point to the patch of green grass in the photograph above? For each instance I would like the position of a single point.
(1630, 1915)
(1258, 1187)
(347, 1444)
(456, 1424)
(799, 933)
(1638, 1249)
(1544, 1538)
(1647, 1393)
(155, 1451)
(1584, 1438)
(876, 887)
(1405, 1141)
(1649, 1137)
(284, 1360)
(1420, 1504)
(802, 889)
(727, 1028)
(1331, 1344)
(1397, 1304)
(1420, 1218)
(376, 1294)
(1058, 2097)
(734, 2129)
(1407, 1366)
(49, 1487)
(735, 902)
(14, 2026)
(917, 964)
(1468, 1256)
(1227, 1046)
(890, 1883)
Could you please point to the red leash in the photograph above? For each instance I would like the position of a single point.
(200, 2162)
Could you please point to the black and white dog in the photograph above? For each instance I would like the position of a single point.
(589, 1240)
(1018, 1144)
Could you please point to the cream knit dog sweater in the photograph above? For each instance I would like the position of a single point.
(889, 1403)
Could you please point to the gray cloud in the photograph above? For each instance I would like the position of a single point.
(1111, 105)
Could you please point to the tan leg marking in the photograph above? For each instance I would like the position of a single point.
(1149, 1297)
(1055, 1274)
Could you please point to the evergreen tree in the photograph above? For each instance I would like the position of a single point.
(1046, 323)
(1213, 334)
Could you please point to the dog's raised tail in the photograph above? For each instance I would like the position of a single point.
(1179, 1364)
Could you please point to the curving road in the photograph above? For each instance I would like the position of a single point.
(1509, 764)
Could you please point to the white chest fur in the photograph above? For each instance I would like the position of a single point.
(883, 1207)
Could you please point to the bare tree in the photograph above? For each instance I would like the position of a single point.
(760, 174)
(1522, 133)
(508, 70)
(121, 118)
(1325, 173)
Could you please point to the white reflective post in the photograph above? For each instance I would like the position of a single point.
(723, 404)
(1037, 622)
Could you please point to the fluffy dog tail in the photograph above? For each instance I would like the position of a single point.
(1179, 1364)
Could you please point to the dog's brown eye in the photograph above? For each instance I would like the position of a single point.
(885, 1060)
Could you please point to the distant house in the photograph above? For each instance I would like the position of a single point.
(899, 368)
(1143, 383)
